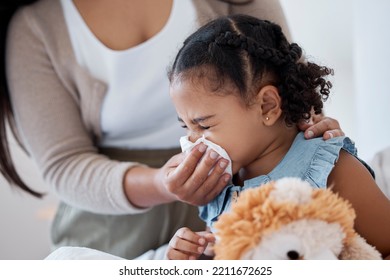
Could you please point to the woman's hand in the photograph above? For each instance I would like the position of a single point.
(195, 178)
(189, 245)
(320, 125)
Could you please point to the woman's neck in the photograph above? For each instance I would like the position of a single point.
(271, 156)
(134, 21)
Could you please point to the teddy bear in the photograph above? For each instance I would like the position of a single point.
(289, 219)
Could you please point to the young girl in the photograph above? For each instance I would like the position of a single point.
(239, 83)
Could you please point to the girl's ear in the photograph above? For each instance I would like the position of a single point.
(270, 103)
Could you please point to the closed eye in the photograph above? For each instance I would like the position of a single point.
(196, 121)
(200, 127)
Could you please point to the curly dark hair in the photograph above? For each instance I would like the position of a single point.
(247, 53)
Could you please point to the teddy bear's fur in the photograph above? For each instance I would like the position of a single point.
(289, 219)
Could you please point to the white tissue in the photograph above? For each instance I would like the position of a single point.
(187, 145)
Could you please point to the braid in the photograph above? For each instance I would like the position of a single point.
(253, 48)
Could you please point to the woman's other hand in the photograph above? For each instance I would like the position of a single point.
(320, 125)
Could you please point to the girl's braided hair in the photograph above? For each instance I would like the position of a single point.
(248, 53)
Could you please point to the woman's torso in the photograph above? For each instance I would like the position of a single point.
(137, 112)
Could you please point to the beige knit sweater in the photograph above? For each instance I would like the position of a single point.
(57, 104)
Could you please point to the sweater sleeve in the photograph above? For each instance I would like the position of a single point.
(50, 124)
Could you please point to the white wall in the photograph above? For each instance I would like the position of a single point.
(372, 74)
(350, 36)
(25, 220)
(323, 29)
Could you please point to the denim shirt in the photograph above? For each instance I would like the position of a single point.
(311, 160)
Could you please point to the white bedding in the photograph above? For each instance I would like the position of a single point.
(82, 253)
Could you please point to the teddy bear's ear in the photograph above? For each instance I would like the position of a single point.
(359, 249)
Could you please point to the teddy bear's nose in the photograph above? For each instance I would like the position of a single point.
(293, 255)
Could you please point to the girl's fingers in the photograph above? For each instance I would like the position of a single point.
(178, 255)
(189, 235)
(208, 236)
(187, 241)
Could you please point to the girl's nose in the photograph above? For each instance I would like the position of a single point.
(194, 136)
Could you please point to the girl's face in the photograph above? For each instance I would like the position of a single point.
(222, 119)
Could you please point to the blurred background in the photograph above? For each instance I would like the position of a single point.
(349, 36)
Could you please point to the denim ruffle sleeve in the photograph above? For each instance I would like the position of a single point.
(210, 212)
(325, 158)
